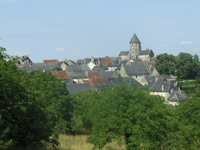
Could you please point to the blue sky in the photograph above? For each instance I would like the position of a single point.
(80, 29)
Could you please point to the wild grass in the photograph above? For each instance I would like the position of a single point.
(78, 142)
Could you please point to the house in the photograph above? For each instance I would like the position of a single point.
(160, 86)
(134, 71)
(114, 63)
(105, 62)
(97, 68)
(176, 97)
(78, 73)
(45, 67)
(88, 60)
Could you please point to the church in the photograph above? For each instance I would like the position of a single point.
(135, 51)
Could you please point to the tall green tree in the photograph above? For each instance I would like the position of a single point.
(33, 107)
(165, 64)
(196, 58)
(121, 111)
(186, 66)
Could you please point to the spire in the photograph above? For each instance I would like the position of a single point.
(135, 39)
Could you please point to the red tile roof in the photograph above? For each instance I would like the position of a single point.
(60, 63)
(100, 80)
(105, 60)
(94, 75)
(61, 74)
(50, 61)
(153, 59)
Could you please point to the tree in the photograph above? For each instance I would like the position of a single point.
(186, 66)
(196, 58)
(121, 111)
(165, 64)
(33, 107)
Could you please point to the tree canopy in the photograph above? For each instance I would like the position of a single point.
(34, 107)
(165, 64)
(186, 66)
(121, 111)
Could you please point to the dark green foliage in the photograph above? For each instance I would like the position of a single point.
(186, 66)
(165, 64)
(33, 107)
(123, 112)
(56, 69)
(196, 58)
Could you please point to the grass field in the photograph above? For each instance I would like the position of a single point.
(78, 142)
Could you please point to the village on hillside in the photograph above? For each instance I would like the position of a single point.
(91, 73)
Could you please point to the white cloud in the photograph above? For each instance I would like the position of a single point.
(163, 45)
(186, 42)
(195, 49)
(59, 49)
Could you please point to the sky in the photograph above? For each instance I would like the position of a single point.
(75, 29)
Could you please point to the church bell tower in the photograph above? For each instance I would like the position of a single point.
(135, 47)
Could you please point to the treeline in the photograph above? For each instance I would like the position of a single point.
(36, 107)
(184, 66)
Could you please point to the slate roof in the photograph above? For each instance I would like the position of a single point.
(86, 60)
(136, 70)
(40, 66)
(108, 74)
(94, 75)
(122, 62)
(156, 85)
(145, 52)
(130, 82)
(98, 85)
(123, 53)
(96, 68)
(61, 74)
(114, 62)
(75, 88)
(174, 97)
(134, 39)
(77, 75)
(78, 68)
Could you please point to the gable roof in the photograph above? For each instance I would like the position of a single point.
(97, 68)
(100, 80)
(78, 68)
(75, 88)
(114, 62)
(61, 74)
(105, 60)
(175, 97)
(60, 63)
(123, 53)
(134, 39)
(108, 74)
(40, 66)
(136, 70)
(159, 82)
(50, 61)
(94, 75)
(128, 81)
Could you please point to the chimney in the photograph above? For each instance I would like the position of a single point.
(11, 58)
(92, 59)
(120, 60)
(85, 61)
(65, 60)
(163, 87)
(156, 78)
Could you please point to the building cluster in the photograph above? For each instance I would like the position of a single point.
(91, 73)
